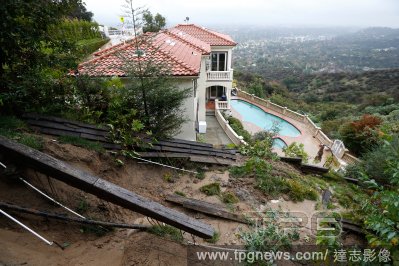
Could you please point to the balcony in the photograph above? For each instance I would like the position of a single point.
(219, 75)
(222, 105)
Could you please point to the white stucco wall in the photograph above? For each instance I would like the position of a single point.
(190, 109)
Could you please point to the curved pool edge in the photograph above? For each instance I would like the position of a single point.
(273, 113)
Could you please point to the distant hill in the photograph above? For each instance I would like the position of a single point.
(354, 88)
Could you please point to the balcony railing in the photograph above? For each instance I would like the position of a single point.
(222, 105)
(220, 75)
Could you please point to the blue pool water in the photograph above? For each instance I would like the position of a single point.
(255, 115)
(279, 143)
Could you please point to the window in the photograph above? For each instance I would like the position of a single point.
(219, 61)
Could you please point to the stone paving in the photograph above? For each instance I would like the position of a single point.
(214, 132)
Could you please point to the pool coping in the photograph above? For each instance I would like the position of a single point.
(306, 137)
(276, 115)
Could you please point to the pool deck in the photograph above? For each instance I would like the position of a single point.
(312, 145)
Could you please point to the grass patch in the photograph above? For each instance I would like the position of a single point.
(229, 197)
(168, 177)
(211, 189)
(83, 206)
(167, 231)
(201, 174)
(34, 142)
(80, 142)
(11, 123)
(296, 187)
(12, 128)
(231, 146)
(180, 193)
(299, 191)
(215, 238)
(95, 229)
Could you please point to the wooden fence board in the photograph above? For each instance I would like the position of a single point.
(103, 189)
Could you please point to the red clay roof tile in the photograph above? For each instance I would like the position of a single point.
(180, 48)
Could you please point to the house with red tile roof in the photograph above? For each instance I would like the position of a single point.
(198, 58)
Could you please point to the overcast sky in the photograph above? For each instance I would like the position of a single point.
(361, 13)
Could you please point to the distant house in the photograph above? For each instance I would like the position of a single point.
(200, 59)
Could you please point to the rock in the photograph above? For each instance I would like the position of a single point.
(242, 193)
(216, 178)
(131, 231)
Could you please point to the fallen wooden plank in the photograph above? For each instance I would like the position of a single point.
(63, 217)
(190, 142)
(192, 147)
(103, 189)
(62, 120)
(211, 160)
(205, 207)
(198, 159)
(164, 155)
(308, 168)
(293, 160)
(193, 152)
(67, 127)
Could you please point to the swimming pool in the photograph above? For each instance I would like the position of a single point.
(279, 143)
(253, 114)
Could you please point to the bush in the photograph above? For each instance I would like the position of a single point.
(299, 191)
(270, 236)
(229, 197)
(296, 150)
(361, 135)
(379, 164)
(87, 47)
(167, 231)
(211, 189)
(80, 142)
(237, 126)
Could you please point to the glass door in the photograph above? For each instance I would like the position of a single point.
(219, 61)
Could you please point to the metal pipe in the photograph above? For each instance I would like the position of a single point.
(53, 200)
(62, 217)
(27, 228)
(3, 165)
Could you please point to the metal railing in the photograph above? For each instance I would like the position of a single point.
(313, 128)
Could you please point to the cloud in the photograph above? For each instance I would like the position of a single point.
(266, 12)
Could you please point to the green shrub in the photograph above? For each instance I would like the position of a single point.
(237, 126)
(260, 148)
(168, 177)
(32, 141)
(200, 174)
(296, 150)
(214, 239)
(80, 142)
(87, 47)
(299, 191)
(229, 197)
(211, 189)
(268, 237)
(167, 231)
(180, 193)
